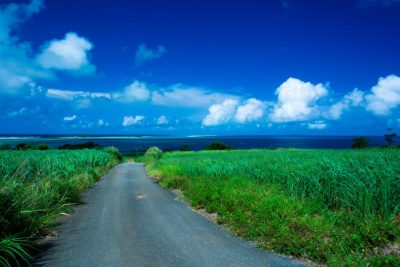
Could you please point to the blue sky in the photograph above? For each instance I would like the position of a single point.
(201, 67)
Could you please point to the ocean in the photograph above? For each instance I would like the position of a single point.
(196, 142)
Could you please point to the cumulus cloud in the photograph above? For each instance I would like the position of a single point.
(317, 125)
(297, 101)
(251, 110)
(190, 97)
(132, 120)
(68, 54)
(18, 69)
(145, 54)
(70, 118)
(384, 96)
(136, 91)
(221, 113)
(233, 110)
(162, 120)
(353, 99)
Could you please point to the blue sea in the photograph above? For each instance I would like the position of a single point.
(196, 142)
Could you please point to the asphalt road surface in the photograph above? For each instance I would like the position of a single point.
(128, 220)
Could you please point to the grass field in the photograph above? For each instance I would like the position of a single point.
(35, 187)
(339, 207)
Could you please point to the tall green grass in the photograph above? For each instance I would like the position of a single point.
(327, 205)
(36, 186)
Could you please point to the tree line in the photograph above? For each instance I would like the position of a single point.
(389, 137)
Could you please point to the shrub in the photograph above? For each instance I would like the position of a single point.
(43, 146)
(6, 147)
(360, 142)
(114, 151)
(24, 146)
(217, 146)
(152, 154)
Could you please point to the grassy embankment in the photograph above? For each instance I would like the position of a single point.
(339, 207)
(36, 186)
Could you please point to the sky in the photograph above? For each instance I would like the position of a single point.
(276, 67)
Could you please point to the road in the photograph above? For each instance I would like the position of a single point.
(128, 220)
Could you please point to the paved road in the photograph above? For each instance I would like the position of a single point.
(130, 221)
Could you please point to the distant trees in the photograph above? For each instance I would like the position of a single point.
(89, 145)
(6, 147)
(360, 142)
(24, 146)
(42, 146)
(217, 146)
(390, 139)
(390, 136)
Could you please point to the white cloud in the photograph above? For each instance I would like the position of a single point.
(297, 101)
(18, 70)
(190, 97)
(145, 54)
(175, 96)
(71, 95)
(221, 113)
(162, 120)
(232, 110)
(102, 123)
(136, 91)
(317, 125)
(353, 99)
(384, 96)
(13, 14)
(69, 118)
(132, 120)
(68, 54)
(251, 110)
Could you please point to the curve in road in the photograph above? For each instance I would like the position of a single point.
(128, 220)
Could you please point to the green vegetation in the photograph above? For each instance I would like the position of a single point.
(135, 156)
(217, 146)
(36, 186)
(89, 145)
(6, 147)
(339, 207)
(360, 142)
(43, 146)
(390, 137)
(24, 146)
(152, 154)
